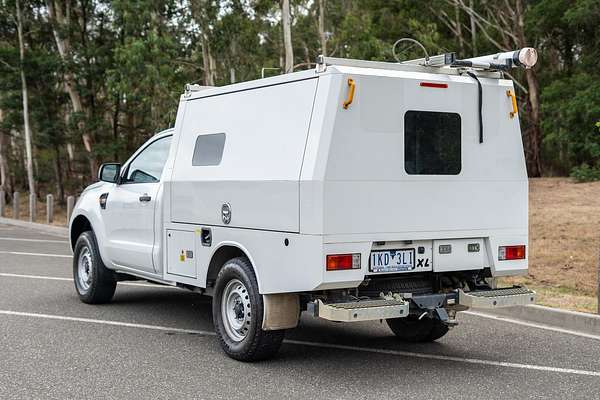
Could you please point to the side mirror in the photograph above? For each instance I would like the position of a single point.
(109, 172)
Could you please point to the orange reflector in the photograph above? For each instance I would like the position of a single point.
(337, 262)
(511, 252)
(434, 85)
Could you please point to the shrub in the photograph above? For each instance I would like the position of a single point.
(585, 173)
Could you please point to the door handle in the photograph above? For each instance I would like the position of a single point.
(514, 103)
(351, 88)
(145, 197)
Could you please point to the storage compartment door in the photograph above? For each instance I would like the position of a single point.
(181, 259)
(458, 255)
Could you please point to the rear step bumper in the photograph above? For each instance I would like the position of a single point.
(495, 298)
(368, 310)
(359, 310)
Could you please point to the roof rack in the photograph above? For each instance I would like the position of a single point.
(440, 60)
(435, 67)
(443, 63)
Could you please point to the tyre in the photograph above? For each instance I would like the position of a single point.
(238, 314)
(413, 329)
(94, 283)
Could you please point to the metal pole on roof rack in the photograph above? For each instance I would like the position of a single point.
(525, 57)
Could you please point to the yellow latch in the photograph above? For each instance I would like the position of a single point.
(351, 88)
(510, 94)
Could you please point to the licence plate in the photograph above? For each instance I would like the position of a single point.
(393, 260)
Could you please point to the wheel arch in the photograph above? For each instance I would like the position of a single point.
(223, 253)
(79, 225)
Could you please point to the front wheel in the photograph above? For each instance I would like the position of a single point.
(94, 282)
(413, 329)
(238, 312)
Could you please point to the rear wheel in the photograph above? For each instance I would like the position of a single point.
(413, 329)
(238, 312)
(94, 282)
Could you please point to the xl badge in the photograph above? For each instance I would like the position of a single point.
(226, 213)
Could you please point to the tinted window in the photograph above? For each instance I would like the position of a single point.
(208, 149)
(148, 165)
(432, 143)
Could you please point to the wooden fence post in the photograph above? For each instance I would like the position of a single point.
(16, 204)
(2, 202)
(32, 208)
(49, 208)
(598, 288)
(70, 207)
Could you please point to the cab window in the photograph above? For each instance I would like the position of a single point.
(148, 165)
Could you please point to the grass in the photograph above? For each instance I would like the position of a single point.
(564, 239)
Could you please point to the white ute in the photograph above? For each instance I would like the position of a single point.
(357, 191)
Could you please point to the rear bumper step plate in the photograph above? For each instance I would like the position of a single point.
(368, 310)
(495, 298)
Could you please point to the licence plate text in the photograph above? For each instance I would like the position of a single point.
(393, 260)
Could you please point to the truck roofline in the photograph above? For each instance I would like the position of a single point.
(337, 66)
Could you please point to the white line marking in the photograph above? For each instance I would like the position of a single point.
(50, 278)
(55, 278)
(22, 253)
(447, 358)
(33, 240)
(473, 313)
(106, 322)
(532, 324)
(319, 344)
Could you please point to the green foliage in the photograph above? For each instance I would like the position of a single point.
(130, 59)
(585, 173)
(568, 106)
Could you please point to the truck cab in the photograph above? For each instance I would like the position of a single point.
(357, 191)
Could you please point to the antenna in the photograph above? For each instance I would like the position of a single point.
(407, 44)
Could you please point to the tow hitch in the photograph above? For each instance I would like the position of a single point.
(434, 305)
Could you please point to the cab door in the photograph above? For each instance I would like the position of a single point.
(129, 213)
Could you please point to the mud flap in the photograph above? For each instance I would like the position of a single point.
(281, 311)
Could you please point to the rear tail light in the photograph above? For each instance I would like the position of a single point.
(511, 252)
(337, 262)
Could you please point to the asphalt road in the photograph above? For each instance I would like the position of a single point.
(157, 342)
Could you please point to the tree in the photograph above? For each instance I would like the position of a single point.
(204, 13)
(26, 123)
(61, 23)
(322, 33)
(4, 166)
(102, 76)
(286, 21)
(502, 24)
